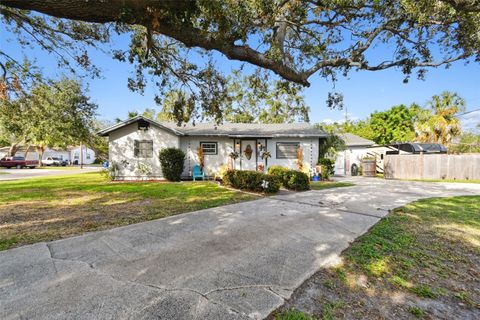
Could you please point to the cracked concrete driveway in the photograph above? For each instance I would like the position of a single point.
(233, 262)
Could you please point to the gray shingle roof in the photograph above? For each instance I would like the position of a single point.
(355, 141)
(231, 129)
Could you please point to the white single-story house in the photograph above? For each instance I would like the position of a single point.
(71, 154)
(350, 158)
(135, 144)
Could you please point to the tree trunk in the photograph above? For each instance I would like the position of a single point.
(26, 151)
(13, 150)
(40, 151)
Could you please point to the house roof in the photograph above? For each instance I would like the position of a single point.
(352, 140)
(233, 130)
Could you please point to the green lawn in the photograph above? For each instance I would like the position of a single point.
(3, 172)
(421, 261)
(320, 185)
(43, 209)
(60, 167)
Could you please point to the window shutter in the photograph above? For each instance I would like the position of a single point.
(136, 147)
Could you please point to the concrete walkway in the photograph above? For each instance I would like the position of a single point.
(233, 262)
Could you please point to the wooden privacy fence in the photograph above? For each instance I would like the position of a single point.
(433, 166)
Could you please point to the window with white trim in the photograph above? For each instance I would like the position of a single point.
(143, 148)
(287, 150)
(209, 148)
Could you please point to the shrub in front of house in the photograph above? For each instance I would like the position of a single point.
(172, 161)
(327, 166)
(291, 179)
(251, 181)
(296, 180)
(279, 172)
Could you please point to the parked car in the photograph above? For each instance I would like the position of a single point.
(53, 161)
(18, 162)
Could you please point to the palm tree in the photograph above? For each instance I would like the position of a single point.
(439, 123)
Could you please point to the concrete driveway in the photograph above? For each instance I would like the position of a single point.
(16, 174)
(234, 262)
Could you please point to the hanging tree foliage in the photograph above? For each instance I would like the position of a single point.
(172, 41)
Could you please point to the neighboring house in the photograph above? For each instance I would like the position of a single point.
(356, 148)
(139, 140)
(71, 154)
(77, 158)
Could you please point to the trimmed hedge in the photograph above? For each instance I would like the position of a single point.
(172, 161)
(291, 179)
(251, 181)
(296, 180)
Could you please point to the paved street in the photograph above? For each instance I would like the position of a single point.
(239, 261)
(15, 174)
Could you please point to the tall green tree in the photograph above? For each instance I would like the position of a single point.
(56, 115)
(439, 123)
(255, 101)
(468, 142)
(396, 124)
(172, 41)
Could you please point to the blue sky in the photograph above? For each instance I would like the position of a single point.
(364, 91)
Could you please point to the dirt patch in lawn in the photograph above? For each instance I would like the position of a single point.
(422, 261)
(59, 210)
(42, 220)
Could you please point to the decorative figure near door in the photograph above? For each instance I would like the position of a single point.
(248, 152)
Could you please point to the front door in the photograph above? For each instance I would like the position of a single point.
(249, 155)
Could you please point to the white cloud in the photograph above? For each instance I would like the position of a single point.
(470, 121)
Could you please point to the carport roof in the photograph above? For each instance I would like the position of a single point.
(233, 130)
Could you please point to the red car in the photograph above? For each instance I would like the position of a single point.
(18, 162)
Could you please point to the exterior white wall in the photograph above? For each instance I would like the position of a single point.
(308, 145)
(213, 163)
(352, 155)
(88, 155)
(121, 150)
(31, 155)
(63, 155)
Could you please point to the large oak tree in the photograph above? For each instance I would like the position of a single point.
(295, 39)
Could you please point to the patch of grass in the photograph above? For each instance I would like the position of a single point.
(417, 312)
(293, 315)
(464, 297)
(400, 282)
(320, 185)
(330, 308)
(341, 275)
(66, 168)
(424, 291)
(48, 208)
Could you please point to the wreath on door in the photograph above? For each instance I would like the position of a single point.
(248, 152)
